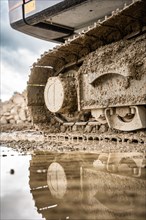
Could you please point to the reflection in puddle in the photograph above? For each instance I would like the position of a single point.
(89, 186)
(73, 185)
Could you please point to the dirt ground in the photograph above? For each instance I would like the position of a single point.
(26, 140)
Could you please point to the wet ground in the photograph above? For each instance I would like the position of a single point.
(74, 185)
(16, 200)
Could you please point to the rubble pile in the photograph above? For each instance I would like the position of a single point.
(15, 111)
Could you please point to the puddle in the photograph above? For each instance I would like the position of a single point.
(16, 200)
(73, 185)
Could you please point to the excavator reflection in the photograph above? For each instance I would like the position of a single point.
(89, 185)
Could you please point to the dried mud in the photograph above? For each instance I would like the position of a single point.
(27, 141)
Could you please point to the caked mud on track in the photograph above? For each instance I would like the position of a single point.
(29, 141)
(96, 80)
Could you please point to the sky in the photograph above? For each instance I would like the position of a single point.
(17, 54)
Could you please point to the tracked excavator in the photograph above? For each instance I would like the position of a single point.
(92, 85)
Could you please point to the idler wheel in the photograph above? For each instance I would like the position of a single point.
(60, 95)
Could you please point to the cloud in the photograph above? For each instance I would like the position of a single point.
(17, 53)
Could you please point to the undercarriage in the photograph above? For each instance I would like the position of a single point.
(95, 82)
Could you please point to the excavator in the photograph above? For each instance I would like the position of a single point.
(93, 83)
(90, 89)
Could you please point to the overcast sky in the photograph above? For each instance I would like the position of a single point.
(17, 53)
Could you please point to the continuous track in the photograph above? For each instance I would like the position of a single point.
(123, 24)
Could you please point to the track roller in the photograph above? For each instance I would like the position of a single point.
(133, 118)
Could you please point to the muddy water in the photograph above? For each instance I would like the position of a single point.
(73, 185)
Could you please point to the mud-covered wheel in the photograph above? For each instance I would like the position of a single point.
(52, 98)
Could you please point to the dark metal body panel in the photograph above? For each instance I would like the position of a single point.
(57, 20)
